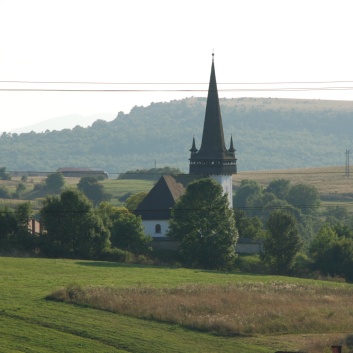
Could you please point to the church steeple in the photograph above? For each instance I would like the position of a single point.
(212, 145)
(213, 158)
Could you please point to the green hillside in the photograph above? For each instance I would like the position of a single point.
(268, 134)
(30, 323)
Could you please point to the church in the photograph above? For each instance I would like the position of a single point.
(213, 160)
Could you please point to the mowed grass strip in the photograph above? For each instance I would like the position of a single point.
(238, 309)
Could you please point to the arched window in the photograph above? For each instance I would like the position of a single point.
(157, 228)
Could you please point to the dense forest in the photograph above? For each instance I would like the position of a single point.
(268, 133)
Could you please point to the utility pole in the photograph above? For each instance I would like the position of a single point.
(347, 163)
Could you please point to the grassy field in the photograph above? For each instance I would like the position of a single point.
(121, 189)
(30, 323)
(328, 180)
(335, 188)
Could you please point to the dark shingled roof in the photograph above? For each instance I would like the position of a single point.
(158, 202)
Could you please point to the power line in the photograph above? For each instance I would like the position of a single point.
(248, 208)
(31, 173)
(173, 83)
(251, 89)
(299, 89)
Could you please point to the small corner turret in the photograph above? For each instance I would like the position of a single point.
(193, 149)
(231, 148)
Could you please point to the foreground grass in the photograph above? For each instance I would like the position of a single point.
(242, 308)
(29, 323)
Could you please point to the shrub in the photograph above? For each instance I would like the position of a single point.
(116, 255)
(251, 264)
(349, 342)
(38, 187)
(4, 193)
(301, 264)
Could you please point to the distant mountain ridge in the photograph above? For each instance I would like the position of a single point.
(268, 134)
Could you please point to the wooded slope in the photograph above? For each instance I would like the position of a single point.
(268, 134)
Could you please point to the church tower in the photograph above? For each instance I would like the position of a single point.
(214, 159)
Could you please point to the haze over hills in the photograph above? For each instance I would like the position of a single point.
(268, 134)
(64, 122)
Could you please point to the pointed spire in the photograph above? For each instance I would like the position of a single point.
(193, 148)
(213, 158)
(213, 145)
(231, 148)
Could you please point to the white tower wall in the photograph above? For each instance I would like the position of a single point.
(226, 182)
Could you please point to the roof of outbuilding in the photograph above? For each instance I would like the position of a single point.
(73, 169)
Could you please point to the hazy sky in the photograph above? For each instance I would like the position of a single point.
(167, 41)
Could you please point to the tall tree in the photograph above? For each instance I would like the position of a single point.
(331, 251)
(126, 229)
(8, 228)
(279, 187)
(248, 189)
(305, 197)
(248, 227)
(204, 224)
(134, 200)
(54, 183)
(20, 188)
(4, 175)
(72, 227)
(14, 233)
(24, 240)
(91, 187)
(5, 193)
(282, 241)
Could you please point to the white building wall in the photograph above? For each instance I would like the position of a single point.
(226, 182)
(150, 228)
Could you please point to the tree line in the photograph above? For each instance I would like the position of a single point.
(163, 132)
(297, 237)
(75, 223)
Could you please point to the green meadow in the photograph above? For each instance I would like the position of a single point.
(31, 323)
(121, 189)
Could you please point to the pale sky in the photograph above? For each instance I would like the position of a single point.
(167, 41)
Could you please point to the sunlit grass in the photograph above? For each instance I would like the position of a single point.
(328, 180)
(244, 308)
(332, 204)
(29, 323)
(120, 189)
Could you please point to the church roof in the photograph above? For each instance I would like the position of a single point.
(158, 202)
